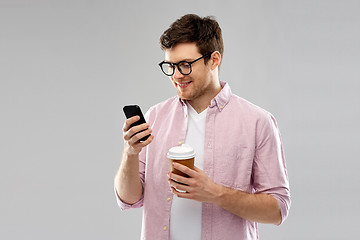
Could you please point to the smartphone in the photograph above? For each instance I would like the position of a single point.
(134, 110)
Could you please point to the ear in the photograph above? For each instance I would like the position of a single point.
(215, 60)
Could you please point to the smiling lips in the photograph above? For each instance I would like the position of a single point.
(183, 85)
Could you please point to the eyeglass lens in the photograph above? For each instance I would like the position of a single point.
(169, 68)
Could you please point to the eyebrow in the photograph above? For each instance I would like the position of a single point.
(184, 60)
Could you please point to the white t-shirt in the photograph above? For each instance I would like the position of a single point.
(185, 213)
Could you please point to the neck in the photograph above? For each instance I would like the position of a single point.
(202, 102)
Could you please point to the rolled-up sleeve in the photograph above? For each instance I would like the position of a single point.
(269, 168)
(124, 206)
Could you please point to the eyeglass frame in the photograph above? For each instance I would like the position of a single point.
(178, 67)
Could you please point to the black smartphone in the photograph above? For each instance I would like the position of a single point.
(134, 110)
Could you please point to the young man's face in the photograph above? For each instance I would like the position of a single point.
(199, 82)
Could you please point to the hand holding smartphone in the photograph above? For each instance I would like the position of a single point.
(134, 110)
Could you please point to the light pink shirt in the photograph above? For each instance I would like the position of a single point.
(242, 150)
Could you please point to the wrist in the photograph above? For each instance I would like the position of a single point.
(130, 156)
(131, 152)
(220, 194)
(225, 196)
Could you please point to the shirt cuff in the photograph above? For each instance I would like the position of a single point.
(284, 203)
(124, 206)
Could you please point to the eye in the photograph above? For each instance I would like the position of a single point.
(168, 68)
(184, 65)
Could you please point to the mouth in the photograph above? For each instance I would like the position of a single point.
(183, 85)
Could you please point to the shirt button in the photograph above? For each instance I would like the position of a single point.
(185, 115)
(165, 228)
(221, 106)
(168, 199)
(180, 142)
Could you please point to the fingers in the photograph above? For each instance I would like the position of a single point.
(130, 132)
(188, 171)
(129, 121)
(183, 186)
(179, 179)
(133, 138)
(178, 188)
(143, 143)
(180, 184)
(132, 135)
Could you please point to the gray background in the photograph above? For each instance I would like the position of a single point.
(68, 67)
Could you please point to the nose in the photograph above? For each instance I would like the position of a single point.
(177, 74)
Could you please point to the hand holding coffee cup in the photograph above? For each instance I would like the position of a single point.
(184, 155)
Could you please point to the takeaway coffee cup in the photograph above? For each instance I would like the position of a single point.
(184, 155)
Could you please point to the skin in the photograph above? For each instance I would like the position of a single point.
(198, 88)
(127, 180)
(203, 83)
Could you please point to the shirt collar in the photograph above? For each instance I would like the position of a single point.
(220, 100)
(223, 97)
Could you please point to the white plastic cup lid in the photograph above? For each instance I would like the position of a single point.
(181, 152)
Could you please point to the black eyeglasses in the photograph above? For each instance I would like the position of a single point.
(184, 67)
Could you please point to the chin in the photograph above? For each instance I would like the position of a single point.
(186, 97)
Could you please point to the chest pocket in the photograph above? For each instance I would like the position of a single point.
(233, 167)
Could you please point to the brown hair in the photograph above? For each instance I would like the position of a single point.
(206, 32)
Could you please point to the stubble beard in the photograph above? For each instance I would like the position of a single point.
(192, 95)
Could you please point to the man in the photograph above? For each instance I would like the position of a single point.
(240, 176)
